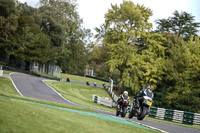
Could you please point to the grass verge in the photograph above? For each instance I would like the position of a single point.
(45, 75)
(6, 86)
(6, 72)
(82, 79)
(173, 123)
(7, 89)
(19, 116)
(83, 95)
(80, 94)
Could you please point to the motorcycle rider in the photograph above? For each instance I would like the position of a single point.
(120, 99)
(144, 92)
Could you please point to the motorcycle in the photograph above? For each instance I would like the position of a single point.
(122, 109)
(143, 109)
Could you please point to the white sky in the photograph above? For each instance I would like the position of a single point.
(92, 11)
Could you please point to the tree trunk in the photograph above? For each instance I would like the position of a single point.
(27, 66)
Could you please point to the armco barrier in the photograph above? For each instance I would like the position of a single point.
(175, 115)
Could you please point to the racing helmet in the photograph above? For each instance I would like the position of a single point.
(148, 87)
(126, 93)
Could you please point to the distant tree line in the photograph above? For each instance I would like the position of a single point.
(128, 51)
(51, 34)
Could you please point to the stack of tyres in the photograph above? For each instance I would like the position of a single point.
(128, 108)
(169, 114)
(178, 116)
(188, 118)
(160, 113)
(196, 120)
(153, 112)
(95, 98)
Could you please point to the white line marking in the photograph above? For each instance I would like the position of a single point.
(77, 104)
(15, 85)
(55, 90)
(69, 100)
(102, 110)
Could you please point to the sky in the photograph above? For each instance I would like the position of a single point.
(92, 11)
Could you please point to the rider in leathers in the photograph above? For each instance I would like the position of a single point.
(145, 92)
(120, 99)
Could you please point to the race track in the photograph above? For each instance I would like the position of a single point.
(34, 87)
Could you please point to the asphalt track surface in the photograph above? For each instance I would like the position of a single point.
(34, 87)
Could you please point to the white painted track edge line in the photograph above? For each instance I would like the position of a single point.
(55, 90)
(15, 85)
(67, 99)
(72, 102)
(104, 114)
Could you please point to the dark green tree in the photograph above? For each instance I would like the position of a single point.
(181, 24)
(61, 22)
(97, 61)
(8, 26)
(29, 43)
(181, 78)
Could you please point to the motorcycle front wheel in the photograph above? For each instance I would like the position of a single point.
(124, 112)
(143, 113)
(130, 115)
(117, 111)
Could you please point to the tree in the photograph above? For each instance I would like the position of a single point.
(181, 24)
(61, 22)
(123, 26)
(29, 43)
(181, 78)
(97, 61)
(8, 25)
(147, 67)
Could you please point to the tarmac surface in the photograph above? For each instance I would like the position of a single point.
(34, 87)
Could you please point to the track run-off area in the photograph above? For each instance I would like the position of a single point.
(34, 87)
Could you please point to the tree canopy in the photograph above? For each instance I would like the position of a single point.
(167, 59)
(128, 51)
(181, 24)
(51, 33)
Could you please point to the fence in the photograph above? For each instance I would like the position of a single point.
(106, 101)
(175, 115)
(102, 101)
(160, 113)
(46, 69)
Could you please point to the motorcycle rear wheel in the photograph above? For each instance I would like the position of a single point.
(117, 111)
